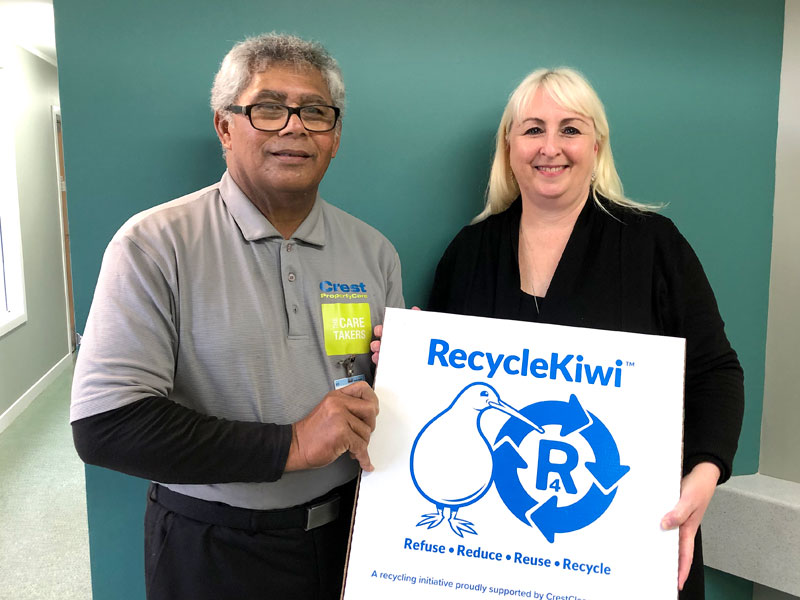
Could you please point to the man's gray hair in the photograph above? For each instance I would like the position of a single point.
(257, 54)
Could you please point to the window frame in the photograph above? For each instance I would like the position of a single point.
(13, 307)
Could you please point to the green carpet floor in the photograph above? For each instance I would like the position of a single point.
(44, 545)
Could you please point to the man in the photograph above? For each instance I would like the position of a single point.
(226, 354)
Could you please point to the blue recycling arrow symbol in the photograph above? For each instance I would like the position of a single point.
(552, 519)
(606, 469)
(507, 483)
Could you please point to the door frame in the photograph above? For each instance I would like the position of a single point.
(61, 181)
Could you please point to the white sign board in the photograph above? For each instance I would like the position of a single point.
(519, 460)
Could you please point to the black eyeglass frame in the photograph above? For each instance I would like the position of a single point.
(247, 110)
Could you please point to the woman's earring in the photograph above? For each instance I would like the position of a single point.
(594, 176)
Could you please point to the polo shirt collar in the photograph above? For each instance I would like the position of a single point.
(255, 226)
(312, 229)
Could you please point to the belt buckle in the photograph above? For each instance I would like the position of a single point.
(322, 513)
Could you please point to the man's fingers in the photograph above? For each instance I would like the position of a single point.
(362, 406)
(357, 443)
(342, 422)
(364, 403)
(363, 460)
(351, 405)
(362, 431)
(359, 451)
(360, 389)
(363, 409)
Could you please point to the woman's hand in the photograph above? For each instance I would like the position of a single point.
(375, 345)
(697, 488)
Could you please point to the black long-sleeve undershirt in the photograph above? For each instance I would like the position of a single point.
(158, 439)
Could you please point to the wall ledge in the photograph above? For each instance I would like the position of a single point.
(751, 529)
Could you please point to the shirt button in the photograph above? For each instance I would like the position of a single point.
(289, 247)
(291, 277)
(294, 309)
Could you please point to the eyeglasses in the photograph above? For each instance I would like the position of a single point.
(274, 117)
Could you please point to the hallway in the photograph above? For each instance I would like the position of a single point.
(44, 546)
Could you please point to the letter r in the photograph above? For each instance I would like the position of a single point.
(546, 466)
(438, 349)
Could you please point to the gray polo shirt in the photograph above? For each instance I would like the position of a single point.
(200, 300)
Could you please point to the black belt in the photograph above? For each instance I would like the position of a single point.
(313, 514)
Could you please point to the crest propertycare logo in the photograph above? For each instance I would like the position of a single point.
(331, 290)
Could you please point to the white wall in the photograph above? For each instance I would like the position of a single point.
(30, 351)
(780, 451)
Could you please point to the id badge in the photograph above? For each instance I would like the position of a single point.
(350, 377)
(340, 383)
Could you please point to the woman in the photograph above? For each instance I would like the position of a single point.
(559, 243)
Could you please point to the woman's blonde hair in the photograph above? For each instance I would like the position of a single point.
(570, 90)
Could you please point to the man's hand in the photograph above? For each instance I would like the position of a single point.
(342, 422)
(697, 488)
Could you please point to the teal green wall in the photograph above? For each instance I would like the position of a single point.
(691, 91)
(723, 586)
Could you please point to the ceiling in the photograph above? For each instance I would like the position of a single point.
(29, 23)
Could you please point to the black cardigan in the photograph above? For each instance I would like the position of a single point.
(625, 271)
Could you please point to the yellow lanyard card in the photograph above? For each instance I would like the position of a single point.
(347, 328)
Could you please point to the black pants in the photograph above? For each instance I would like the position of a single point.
(189, 559)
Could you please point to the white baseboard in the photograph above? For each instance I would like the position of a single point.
(25, 400)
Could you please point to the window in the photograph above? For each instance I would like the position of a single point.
(4, 289)
(12, 284)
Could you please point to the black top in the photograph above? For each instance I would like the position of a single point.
(625, 271)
